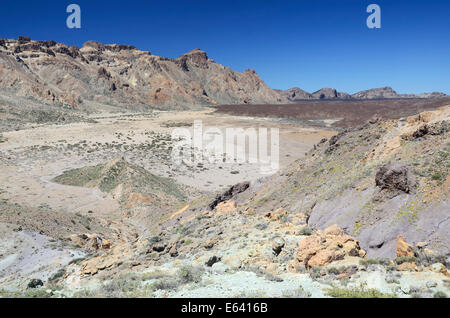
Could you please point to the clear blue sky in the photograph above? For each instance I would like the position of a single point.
(305, 43)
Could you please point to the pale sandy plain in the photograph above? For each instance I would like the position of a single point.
(32, 157)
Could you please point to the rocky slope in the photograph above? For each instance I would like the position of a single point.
(297, 94)
(99, 75)
(364, 214)
(386, 178)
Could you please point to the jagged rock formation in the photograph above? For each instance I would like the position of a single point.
(297, 94)
(330, 93)
(327, 246)
(377, 93)
(122, 76)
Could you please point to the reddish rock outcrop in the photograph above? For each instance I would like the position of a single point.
(403, 248)
(327, 246)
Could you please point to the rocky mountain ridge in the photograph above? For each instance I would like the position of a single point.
(122, 76)
(297, 94)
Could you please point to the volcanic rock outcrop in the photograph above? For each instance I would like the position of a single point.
(122, 76)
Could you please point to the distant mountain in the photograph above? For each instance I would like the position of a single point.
(376, 93)
(297, 94)
(330, 93)
(122, 76)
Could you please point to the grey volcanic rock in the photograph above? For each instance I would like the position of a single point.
(330, 93)
(432, 95)
(296, 94)
(229, 194)
(371, 183)
(376, 93)
(122, 76)
(395, 177)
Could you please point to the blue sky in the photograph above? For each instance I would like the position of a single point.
(306, 43)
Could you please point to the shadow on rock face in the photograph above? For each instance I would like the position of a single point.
(393, 179)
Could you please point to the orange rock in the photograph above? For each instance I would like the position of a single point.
(403, 248)
(226, 207)
(90, 241)
(327, 246)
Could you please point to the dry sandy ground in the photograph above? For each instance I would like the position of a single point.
(32, 157)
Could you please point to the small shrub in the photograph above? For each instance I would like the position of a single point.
(306, 230)
(369, 261)
(189, 274)
(405, 259)
(57, 275)
(297, 293)
(334, 271)
(166, 284)
(440, 294)
(357, 293)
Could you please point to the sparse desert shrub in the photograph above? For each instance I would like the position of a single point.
(261, 226)
(369, 261)
(440, 294)
(36, 293)
(122, 285)
(391, 268)
(335, 270)
(357, 293)
(84, 293)
(60, 273)
(306, 230)
(392, 281)
(405, 259)
(297, 293)
(315, 272)
(189, 274)
(166, 284)
(273, 278)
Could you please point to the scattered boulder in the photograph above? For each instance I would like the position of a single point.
(395, 178)
(231, 193)
(278, 245)
(212, 260)
(375, 119)
(90, 241)
(209, 244)
(34, 283)
(173, 251)
(333, 143)
(432, 129)
(403, 249)
(327, 246)
(159, 247)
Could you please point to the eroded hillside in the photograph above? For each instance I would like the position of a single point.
(99, 75)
